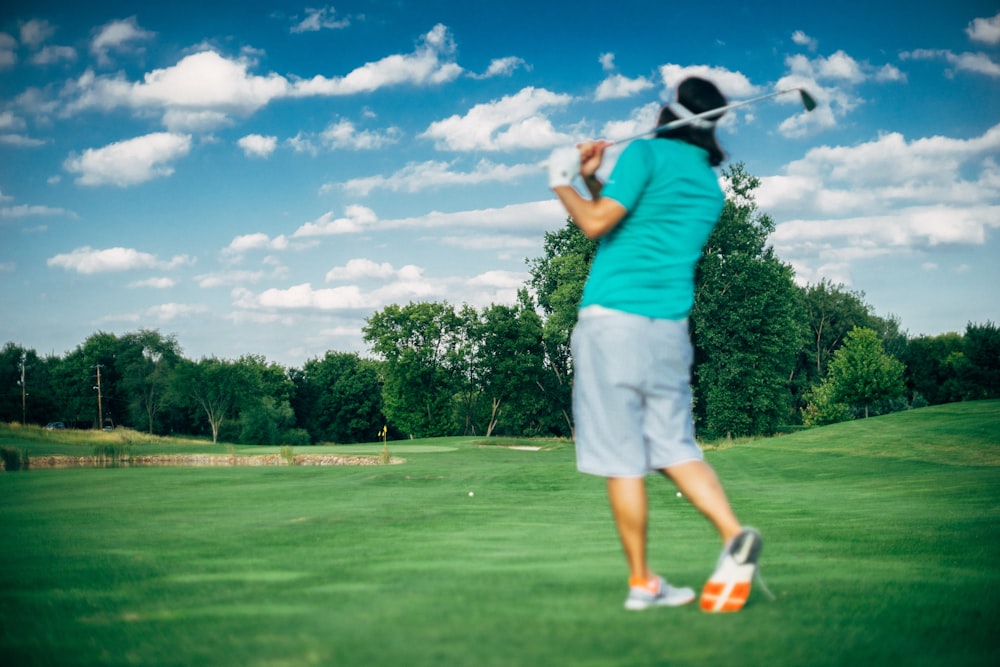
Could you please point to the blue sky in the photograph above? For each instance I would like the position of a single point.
(259, 177)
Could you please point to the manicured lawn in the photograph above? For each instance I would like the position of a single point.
(881, 545)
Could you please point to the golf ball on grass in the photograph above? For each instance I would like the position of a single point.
(471, 494)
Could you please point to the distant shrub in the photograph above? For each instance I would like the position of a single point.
(14, 459)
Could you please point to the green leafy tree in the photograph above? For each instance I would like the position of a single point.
(217, 387)
(935, 366)
(509, 366)
(862, 373)
(338, 398)
(982, 350)
(557, 280)
(421, 344)
(147, 361)
(747, 321)
(27, 389)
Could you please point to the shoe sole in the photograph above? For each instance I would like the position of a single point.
(729, 586)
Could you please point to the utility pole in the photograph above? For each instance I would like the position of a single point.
(24, 391)
(100, 410)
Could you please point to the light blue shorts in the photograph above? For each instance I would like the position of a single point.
(631, 393)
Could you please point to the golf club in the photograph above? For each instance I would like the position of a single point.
(808, 103)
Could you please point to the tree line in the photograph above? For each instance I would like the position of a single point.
(768, 354)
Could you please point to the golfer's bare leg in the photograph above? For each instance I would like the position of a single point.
(699, 483)
(629, 506)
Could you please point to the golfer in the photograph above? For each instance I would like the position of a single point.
(632, 353)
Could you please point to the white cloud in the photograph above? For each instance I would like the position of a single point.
(357, 219)
(344, 135)
(200, 92)
(167, 312)
(10, 121)
(239, 277)
(802, 39)
(416, 177)
(977, 63)
(514, 121)
(8, 51)
(607, 61)
(324, 18)
(641, 119)
(732, 84)
(502, 67)
(35, 32)
(50, 55)
(255, 145)
(89, 260)
(256, 241)
(888, 197)
(530, 216)
(131, 161)
(429, 64)
(120, 36)
(406, 283)
(985, 30)
(20, 141)
(25, 210)
(617, 86)
(357, 269)
(155, 283)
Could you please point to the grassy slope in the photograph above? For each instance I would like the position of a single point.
(881, 546)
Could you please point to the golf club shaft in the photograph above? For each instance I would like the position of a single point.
(807, 101)
(681, 122)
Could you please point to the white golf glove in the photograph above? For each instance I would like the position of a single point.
(564, 166)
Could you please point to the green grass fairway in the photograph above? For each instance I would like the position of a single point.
(881, 544)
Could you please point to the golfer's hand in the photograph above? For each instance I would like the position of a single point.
(591, 156)
(564, 166)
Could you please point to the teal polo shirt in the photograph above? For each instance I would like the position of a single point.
(645, 265)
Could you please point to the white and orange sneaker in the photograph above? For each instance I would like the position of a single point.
(656, 593)
(729, 586)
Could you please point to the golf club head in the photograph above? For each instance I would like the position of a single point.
(808, 101)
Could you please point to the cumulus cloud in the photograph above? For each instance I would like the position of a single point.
(123, 36)
(36, 32)
(617, 86)
(405, 283)
(733, 85)
(256, 145)
(502, 67)
(802, 39)
(8, 51)
(155, 283)
(357, 219)
(429, 64)
(345, 135)
(26, 210)
(885, 197)
(514, 121)
(204, 90)
(87, 260)
(358, 269)
(985, 30)
(977, 63)
(257, 241)
(324, 18)
(51, 55)
(416, 177)
(129, 162)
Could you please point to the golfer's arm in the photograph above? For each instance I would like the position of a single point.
(595, 217)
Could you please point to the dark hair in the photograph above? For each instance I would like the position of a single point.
(699, 96)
